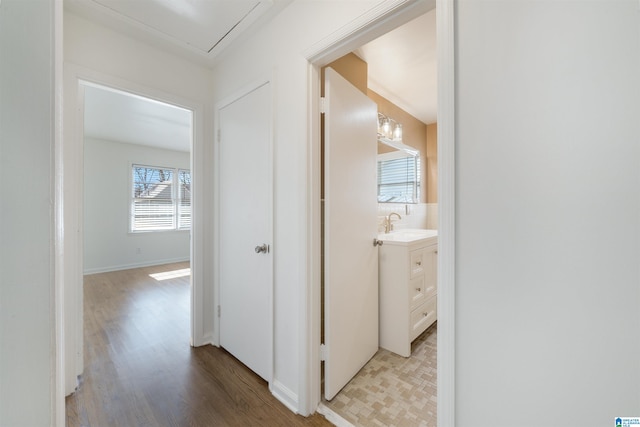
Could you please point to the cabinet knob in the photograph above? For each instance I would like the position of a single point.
(418, 289)
(418, 262)
(425, 314)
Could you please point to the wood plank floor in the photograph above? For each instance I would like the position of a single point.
(141, 371)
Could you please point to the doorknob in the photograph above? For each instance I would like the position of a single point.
(377, 242)
(264, 248)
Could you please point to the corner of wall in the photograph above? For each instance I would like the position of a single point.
(284, 395)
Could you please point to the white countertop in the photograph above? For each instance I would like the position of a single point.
(408, 236)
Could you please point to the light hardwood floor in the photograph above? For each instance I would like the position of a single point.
(141, 371)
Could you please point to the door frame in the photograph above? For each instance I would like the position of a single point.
(378, 21)
(245, 90)
(72, 172)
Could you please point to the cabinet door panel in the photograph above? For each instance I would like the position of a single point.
(430, 264)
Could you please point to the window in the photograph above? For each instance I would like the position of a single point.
(184, 199)
(161, 199)
(398, 178)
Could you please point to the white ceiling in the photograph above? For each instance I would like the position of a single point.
(402, 67)
(401, 63)
(117, 116)
(199, 29)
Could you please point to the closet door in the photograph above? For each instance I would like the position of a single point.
(245, 224)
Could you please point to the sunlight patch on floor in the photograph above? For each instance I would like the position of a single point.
(173, 274)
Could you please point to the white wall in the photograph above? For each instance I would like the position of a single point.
(94, 53)
(276, 52)
(548, 213)
(548, 219)
(418, 215)
(108, 244)
(27, 346)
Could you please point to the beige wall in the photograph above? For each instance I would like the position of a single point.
(415, 133)
(353, 69)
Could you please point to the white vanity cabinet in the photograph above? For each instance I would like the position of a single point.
(408, 289)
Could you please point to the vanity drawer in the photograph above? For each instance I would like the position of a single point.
(416, 292)
(423, 316)
(417, 263)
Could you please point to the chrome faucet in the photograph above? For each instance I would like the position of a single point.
(388, 225)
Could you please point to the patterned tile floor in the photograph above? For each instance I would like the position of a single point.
(393, 391)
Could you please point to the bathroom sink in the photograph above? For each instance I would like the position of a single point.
(407, 235)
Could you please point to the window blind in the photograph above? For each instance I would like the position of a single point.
(184, 205)
(161, 199)
(398, 180)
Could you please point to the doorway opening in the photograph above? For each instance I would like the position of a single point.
(131, 181)
(397, 74)
(444, 212)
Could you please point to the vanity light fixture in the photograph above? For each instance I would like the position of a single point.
(389, 129)
(397, 133)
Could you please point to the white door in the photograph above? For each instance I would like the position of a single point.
(245, 230)
(350, 221)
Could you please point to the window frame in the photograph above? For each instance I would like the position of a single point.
(415, 183)
(177, 207)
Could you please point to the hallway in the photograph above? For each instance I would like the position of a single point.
(141, 371)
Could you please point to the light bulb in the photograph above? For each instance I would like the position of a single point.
(397, 132)
(386, 128)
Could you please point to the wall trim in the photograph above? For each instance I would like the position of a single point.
(207, 339)
(377, 21)
(284, 395)
(58, 387)
(445, 30)
(333, 416)
(310, 296)
(134, 265)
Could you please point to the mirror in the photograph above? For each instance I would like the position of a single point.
(398, 172)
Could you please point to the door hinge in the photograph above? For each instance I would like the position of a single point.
(323, 105)
(218, 311)
(323, 352)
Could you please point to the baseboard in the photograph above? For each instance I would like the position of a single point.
(206, 339)
(71, 386)
(284, 395)
(132, 265)
(332, 416)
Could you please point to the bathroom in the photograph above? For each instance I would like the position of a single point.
(372, 397)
